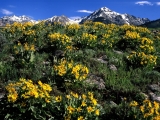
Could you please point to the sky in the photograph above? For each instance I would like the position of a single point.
(43, 9)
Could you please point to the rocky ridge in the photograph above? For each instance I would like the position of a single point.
(108, 16)
(104, 15)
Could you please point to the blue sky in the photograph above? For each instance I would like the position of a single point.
(43, 9)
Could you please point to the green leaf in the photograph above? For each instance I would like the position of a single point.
(52, 118)
(7, 116)
(31, 108)
(44, 105)
(23, 110)
(32, 57)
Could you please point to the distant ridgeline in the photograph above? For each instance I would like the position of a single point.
(104, 15)
(152, 24)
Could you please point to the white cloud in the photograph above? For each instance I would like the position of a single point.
(158, 3)
(143, 3)
(6, 12)
(85, 11)
(11, 6)
(74, 17)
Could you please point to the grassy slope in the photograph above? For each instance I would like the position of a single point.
(127, 82)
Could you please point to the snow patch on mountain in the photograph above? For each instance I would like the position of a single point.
(76, 20)
(11, 19)
(106, 15)
(15, 18)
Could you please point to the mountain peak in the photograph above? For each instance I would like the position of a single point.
(17, 18)
(11, 19)
(108, 16)
(103, 14)
(105, 9)
(62, 19)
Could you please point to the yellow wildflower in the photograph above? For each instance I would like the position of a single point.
(32, 48)
(70, 109)
(79, 109)
(74, 95)
(80, 118)
(68, 96)
(67, 117)
(94, 101)
(156, 105)
(58, 98)
(84, 96)
(133, 103)
(47, 100)
(12, 97)
(142, 109)
(83, 104)
(97, 112)
(89, 109)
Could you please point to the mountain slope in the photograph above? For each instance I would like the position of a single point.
(11, 19)
(106, 15)
(152, 24)
(62, 19)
